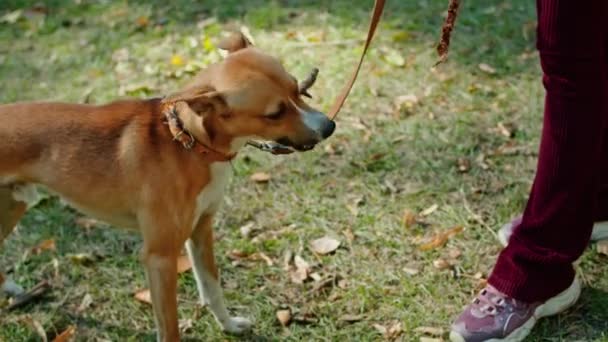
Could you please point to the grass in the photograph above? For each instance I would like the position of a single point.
(381, 162)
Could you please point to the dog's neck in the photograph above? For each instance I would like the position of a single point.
(187, 127)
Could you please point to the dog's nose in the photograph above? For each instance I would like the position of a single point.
(329, 129)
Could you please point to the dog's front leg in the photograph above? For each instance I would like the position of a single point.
(161, 271)
(200, 251)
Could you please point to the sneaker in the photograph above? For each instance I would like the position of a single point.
(495, 317)
(600, 231)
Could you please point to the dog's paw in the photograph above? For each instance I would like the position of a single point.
(237, 325)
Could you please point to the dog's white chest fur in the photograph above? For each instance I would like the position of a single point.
(210, 199)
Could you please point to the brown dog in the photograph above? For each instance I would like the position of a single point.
(160, 165)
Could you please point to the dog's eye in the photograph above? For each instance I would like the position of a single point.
(278, 114)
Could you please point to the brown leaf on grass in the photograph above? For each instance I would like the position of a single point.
(505, 129)
(433, 331)
(412, 271)
(428, 211)
(405, 102)
(36, 326)
(86, 222)
(441, 264)
(66, 335)
(247, 229)
(87, 300)
(185, 325)
(464, 165)
(260, 177)
(287, 258)
(440, 239)
(284, 317)
(46, 245)
(261, 257)
(84, 259)
(144, 296)
(391, 331)
(487, 68)
(324, 245)
(142, 22)
(302, 271)
(454, 253)
(409, 219)
(602, 247)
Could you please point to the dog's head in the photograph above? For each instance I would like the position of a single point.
(250, 95)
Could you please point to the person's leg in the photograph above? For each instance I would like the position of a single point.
(601, 214)
(533, 276)
(557, 222)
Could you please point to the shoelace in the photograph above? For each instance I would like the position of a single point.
(490, 303)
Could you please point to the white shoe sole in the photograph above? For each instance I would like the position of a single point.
(553, 306)
(600, 232)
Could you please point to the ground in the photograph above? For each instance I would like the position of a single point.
(457, 143)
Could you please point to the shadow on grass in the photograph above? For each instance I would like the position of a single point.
(587, 321)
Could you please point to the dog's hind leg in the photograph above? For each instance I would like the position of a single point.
(11, 212)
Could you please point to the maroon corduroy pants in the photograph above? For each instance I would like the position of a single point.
(569, 191)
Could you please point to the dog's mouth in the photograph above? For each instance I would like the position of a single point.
(285, 143)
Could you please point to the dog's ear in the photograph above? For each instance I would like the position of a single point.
(235, 42)
(203, 102)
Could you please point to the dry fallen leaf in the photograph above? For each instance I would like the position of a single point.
(441, 264)
(142, 21)
(411, 270)
(247, 229)
(487, 68)
(287, 258)
(391, 331)
(185, 325)
(66, 335)
(85, 259)
(87, 300)
(46, 245)
(303, 269)
(86, 222)
(440, 239)
(428, 211)
(260, 177)
(284, 317)
(324, 245)
(409, 219)
(261, 256)
(36, 326)
(464, 165)
(405, 102)
(144, 296)
(454, 253)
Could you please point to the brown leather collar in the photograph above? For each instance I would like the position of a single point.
(180, 134)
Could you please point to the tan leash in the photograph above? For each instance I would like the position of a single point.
(375, 19)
